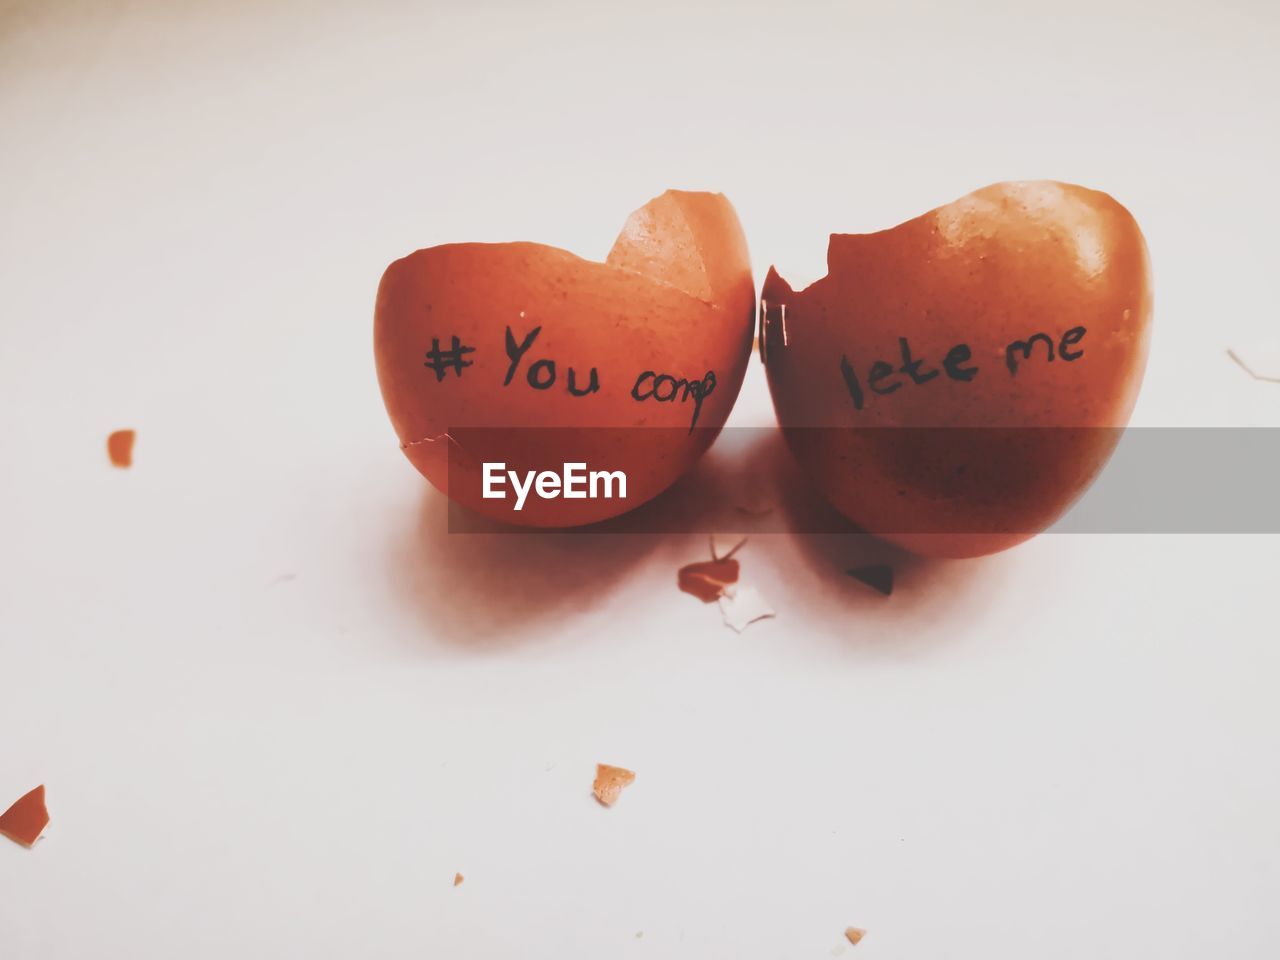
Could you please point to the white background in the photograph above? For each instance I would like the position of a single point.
(277, 707)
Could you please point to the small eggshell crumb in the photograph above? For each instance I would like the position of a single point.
(742, 606)
(609, 783)
(26, 819)
(457, 879)
(120, 448)
(854, 935)
(707, 579)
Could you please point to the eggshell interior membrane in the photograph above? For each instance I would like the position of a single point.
(675, 296)
(998, 457)
(693, 242)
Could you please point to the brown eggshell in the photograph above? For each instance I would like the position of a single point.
(26, 818)
(610, 782)
(973, 463)
(120, 448)
(674, 297)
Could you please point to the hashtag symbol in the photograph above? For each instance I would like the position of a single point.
(441, 361)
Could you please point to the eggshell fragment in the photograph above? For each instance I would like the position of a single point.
(635, 361)
(610, 782)
(1001, 339)
(743, 606)
(1239, 362)
(707, 579)
(26, 819)
(120, 448)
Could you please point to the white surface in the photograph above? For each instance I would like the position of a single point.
(1068, 750)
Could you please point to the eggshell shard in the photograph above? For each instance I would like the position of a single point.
(707, 579)
(26, 819)
(120, 448)
(610, 782)
(742, 606)
(1002, 338)
(480, 346)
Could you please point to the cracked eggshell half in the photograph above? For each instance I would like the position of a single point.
(632, 364)
(997, 455)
